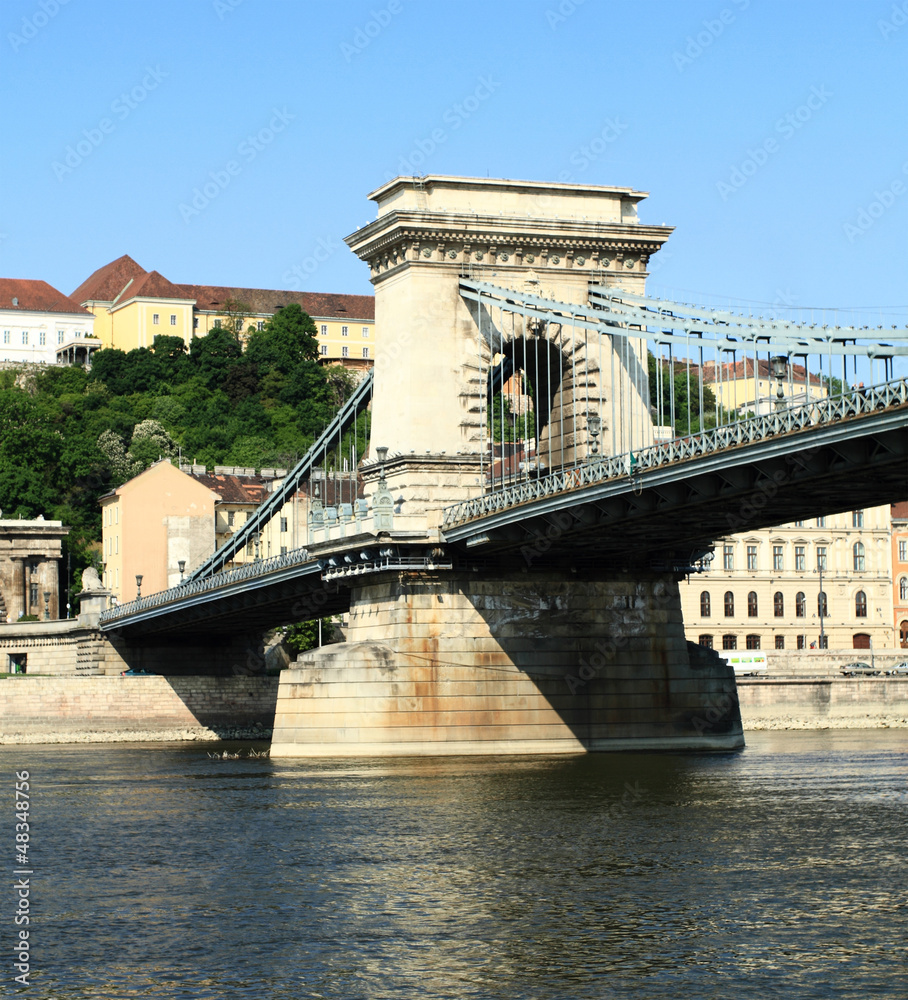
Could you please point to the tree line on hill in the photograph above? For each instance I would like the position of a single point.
(70, 435)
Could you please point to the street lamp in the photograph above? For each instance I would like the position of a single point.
(821, 600)
(594, 424)
(138, 585)
(779, 368)
(182, 565)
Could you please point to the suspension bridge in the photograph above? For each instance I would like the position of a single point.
(552, 450)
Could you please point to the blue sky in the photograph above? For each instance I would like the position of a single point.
(771, 134)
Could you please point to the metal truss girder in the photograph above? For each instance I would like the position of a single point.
(621, 324)
(656, 312)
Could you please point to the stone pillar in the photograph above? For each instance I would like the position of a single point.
(548, 662)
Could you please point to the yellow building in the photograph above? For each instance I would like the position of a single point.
(763, 589)
(131, 306)
(747, 387)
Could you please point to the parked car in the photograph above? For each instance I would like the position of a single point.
(857, 669)
(899, 668)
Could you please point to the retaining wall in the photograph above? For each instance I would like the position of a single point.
(60, 704)
(821, 698)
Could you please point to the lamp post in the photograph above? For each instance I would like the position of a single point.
(138, 585)
(779, 368)
(594, 424)
(182, 565)
(47, 605)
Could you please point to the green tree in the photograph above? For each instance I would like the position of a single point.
(233, 316)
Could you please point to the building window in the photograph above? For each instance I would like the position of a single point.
(858, 557)
(365, 331)
(59, 336)
(217, 324)
(857, 519)
(751, 557)
(345, 351)
(822, 605)
(155, 319)
(752, 604)
(324, 348)
(821, 557)
(800, 605)
(799, 524)
(42, 338)
(365, 352)
(824, 641)
(903, 589)
(903, 550)
(25, 336)
(729, 604)
(283, 524)
(231, 516)
(802, 642)
(283, 550)
(860, 604)
(821, 522)
(777, 563)
(324, 329)
(704, 604)
(706, 641)
(6, 337)
(173, 319)
(729, 642)
(195, 322)
(800, 559)
(728, 557)
(33, 593)
(260, 325)
(345, 331)
(778, 604)
(752, 642)
(780, 642)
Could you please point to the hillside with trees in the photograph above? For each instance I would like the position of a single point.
(67, 435)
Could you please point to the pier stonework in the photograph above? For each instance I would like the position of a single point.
(458, 663)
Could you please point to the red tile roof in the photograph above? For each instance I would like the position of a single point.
(745, 369)
(899, 510)
(154, 285)
(108, 281)
(266, 301)
(235, 489)
(36, 296)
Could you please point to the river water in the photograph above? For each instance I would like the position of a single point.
(160, 872)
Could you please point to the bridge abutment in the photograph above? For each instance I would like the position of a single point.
(508, 662)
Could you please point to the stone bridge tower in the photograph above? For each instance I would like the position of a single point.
(447, 654)
(436, 349)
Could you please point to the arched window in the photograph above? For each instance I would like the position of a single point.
(903, 589)
(778, 604)
(729, 642)
(752, 604)
(800, 605)
(822, 605)
(706, 641)
(753, 642)
(860, 604)
(903, 633)
(729, 606)
(704, 604)
(859, 557)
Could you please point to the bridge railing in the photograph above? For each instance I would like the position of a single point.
(193, 588)
(853, 403)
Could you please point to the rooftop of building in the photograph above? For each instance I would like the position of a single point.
(29, 295)
(124, 280)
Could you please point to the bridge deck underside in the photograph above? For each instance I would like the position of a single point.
(676, 511)
(295, 595)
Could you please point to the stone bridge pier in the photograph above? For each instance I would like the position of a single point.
(460, 656)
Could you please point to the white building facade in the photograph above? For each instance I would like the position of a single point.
(40, 325)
